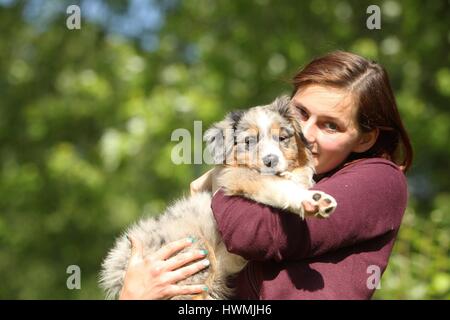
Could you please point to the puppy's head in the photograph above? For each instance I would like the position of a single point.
(269, 139)
(264, 138)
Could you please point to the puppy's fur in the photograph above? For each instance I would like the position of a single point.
(264, 157)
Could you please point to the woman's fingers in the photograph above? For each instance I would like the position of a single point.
(215, 179)
(175, 290)
(203, 183)
(173, 247)
(184, 258)
(137, 249)
(185, 272)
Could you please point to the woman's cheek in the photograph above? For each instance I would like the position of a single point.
(332, 145)
(339, 142)
(332, 153)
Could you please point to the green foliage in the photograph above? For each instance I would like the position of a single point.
(419, 266)
(87, 116)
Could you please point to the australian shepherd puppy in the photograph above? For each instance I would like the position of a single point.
(262, 155)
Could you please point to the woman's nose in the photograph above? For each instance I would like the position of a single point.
(308, 130)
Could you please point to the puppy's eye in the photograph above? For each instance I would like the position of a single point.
(280, 138)
(249, 141)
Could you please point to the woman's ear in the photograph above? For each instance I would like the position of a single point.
(366, 141)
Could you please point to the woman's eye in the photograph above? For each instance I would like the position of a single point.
(331, 126)
(303, 113)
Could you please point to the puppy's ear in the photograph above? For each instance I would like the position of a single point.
(282, 105)
(220, 138)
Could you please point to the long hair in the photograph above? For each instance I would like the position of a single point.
(369, 84)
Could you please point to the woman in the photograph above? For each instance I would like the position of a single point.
(361, 151)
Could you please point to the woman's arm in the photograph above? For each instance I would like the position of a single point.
(371, 196)
(289, 193)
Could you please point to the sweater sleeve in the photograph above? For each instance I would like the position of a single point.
(371, 196)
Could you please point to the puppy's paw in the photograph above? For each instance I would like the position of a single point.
(319, 204)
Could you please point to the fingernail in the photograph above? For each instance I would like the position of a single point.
(205, 288)
(191, 239)
(204, 252)
(206, 262)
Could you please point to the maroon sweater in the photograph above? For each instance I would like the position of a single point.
(333, 258)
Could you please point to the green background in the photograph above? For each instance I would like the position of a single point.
(87, 115)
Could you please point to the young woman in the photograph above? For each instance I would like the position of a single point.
(361, 152)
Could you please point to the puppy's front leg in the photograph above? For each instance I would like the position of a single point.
(274, 191)
(302, 176)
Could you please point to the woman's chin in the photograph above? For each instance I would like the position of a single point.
(317, 167)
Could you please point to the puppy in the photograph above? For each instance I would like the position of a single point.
(262, 156)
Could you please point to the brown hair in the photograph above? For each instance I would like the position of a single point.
(369, 84)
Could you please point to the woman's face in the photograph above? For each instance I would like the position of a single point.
(328, 120)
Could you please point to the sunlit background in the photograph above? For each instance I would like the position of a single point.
(87, 115)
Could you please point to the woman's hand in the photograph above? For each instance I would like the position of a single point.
(206, 182)
(155, 276)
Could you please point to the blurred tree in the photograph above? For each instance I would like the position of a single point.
(87, 117)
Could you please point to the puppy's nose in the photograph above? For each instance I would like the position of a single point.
(270, 160)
